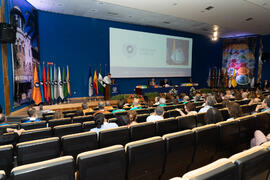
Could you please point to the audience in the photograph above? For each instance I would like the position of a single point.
(32, 113)
(135, 104)
(162, 102)
(108, 106)
(209, 103)
(120, 106)
(2, 117)
(132, 115)
(234, 110)
(156, 100)
(185, 99)
(157, 115)
(264, 106)
(85, 108)
(101, 106)
(213, 116)
(259, 138)
(190, 108)
(102, 123)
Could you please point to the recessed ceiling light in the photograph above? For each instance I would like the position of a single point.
(249, 19)
(130, 16)
(166, 22)
(93, 10)
(112, 13)
(209, 8)
(215, 27)
(215, 34)
(174, 4)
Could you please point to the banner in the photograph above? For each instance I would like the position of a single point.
(239, 56)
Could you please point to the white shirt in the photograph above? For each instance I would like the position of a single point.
(153, 118)
(205, 108)
(105, 125)
(107, 80)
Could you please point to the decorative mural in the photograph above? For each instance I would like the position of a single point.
(25, 50)
(239, 57)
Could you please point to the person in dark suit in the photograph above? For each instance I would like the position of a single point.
(164, 83)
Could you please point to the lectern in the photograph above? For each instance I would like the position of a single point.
(107, 94)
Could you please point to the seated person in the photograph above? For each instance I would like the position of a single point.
(135, 104)
(32, 113)
(209, 103)
(157, 115)
(10, 139)
(156, 100)
(213, 116)
(190, 108)
(85, 108)
(162, 102)
(120, 106)
(153, 83)
(164, 83)
(185, 99)
(2, 117)
(108, 106)
(102, 123)
(234, 110)
(253, 98)
(132, 115)
(265, 106)
(259, 138)
(101, 109)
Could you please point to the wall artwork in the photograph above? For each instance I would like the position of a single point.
(25, 51)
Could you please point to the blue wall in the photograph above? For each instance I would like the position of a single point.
(81, 42)
(266, 66)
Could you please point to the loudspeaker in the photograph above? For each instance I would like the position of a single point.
(7, 33)
(265, 57)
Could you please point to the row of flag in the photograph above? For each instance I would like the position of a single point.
(96, 84)
(217, 78)
(49, 85)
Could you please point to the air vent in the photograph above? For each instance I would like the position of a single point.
(113, 13)
(166, 22)
(249, 19)
(209, 8)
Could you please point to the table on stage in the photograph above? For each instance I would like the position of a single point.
(180, 89)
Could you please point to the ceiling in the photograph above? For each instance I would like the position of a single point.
(229, 16)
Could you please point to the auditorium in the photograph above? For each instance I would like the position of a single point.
(134, 90)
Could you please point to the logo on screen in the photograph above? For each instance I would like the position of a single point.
(129, 50)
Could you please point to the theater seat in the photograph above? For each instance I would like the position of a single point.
(13, 126)
(142, 130)
(82, 119)
(109, 115)
(145, 158)
(105, 163)
(77, 143)
(179, 153)
(59, 168)
(262, 122)
(166, 126)
(88, 125)
(222, 169)
(225, 113)
(63, 130)
(35, 134)
(252, 164)
(174, 113)
(246, 131)
(33, 125)
(200, 119)
(6, 158)
(109, 137)
(142, 118)
(57, 122)
(206, 142)
(2, 175)
(228, 138)
(141, 111)
(38, 150)
(186, 122)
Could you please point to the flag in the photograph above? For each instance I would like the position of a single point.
(56, 94)
(100, 81)
(60, 85)
(90, 85)
(95, 83)
(234, 83)
(226, 79)
(68, 82)
(216, 77)
(64, 80)
(209, 78)
(36, 95)
(219, 79)
(48, 84)
(44, 83)
(230, 80)
(40, 82)
(51, 83)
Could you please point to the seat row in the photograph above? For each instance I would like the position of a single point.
(186, 150)
(250, 164)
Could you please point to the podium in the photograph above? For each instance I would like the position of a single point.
(107, 94)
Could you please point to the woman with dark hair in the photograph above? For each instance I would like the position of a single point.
(213, 116)
(190, 108)
(234, 110)
(102, 123)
